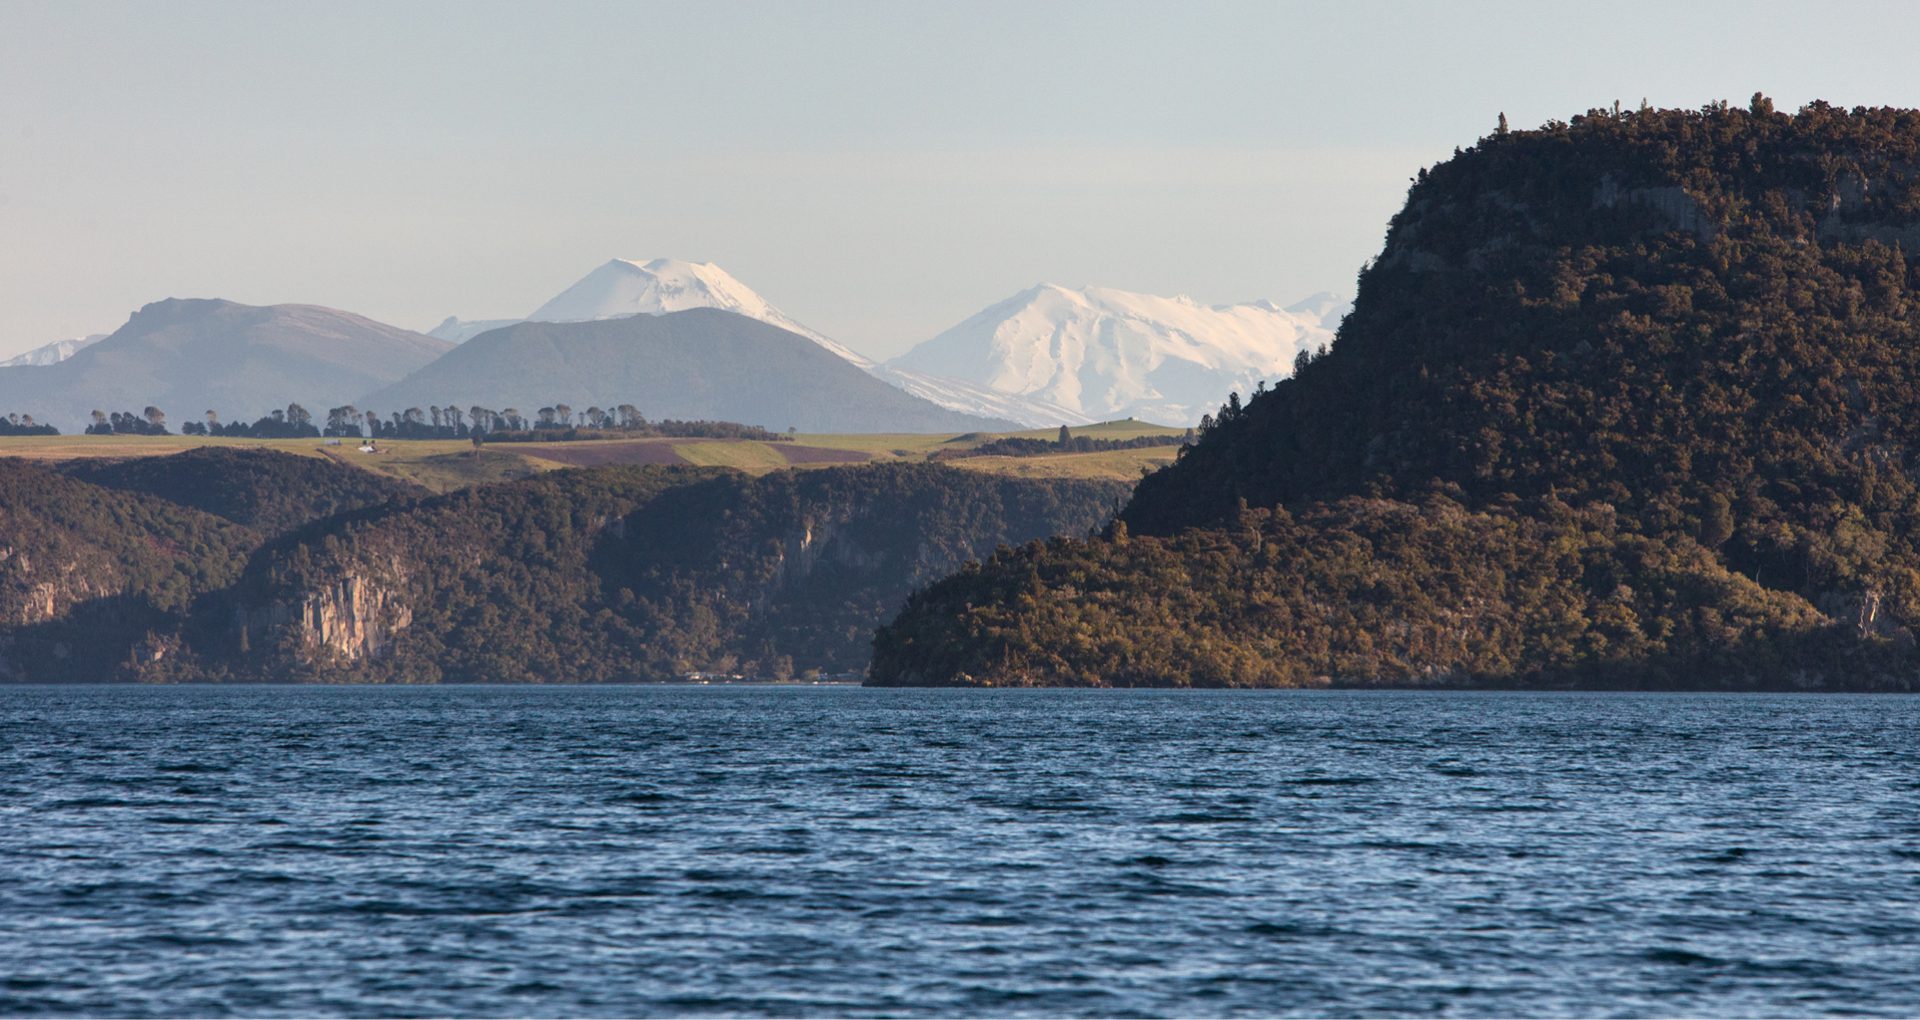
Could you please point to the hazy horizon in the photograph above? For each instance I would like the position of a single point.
(879, 172)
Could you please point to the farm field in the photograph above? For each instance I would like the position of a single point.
(443, 465)
(1119, 465)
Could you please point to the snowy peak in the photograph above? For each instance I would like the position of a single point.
(455, 330)
(53, 353)
(624, 287)
(1105, 353)
(971, 398)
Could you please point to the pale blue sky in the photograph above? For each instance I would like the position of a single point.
(878, 170)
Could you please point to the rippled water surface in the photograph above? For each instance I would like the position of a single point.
(546, 851)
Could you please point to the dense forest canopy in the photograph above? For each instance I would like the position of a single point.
(269, 492)
(227, 564)
(632, 573)
(92, 578)
(1699, 325)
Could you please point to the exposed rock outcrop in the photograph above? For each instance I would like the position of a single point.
(354, 619)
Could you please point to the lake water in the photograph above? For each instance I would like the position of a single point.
(596, 851)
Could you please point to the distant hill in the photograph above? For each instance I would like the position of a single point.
(270, 492)
(187, 357)
(1627, 400)
(1096, 353)
(699, 363)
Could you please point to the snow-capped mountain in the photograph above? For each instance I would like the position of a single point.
(1048, 356)
(970, 398)
(624, 287)
(1105, 353)
(53, 353)
(458, 331)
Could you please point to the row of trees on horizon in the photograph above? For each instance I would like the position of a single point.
(24, 425)
(557, 422)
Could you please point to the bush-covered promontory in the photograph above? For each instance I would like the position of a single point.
(1629, 399)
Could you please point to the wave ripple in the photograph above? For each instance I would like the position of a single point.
(736, 851)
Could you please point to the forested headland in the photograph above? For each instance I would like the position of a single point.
(1625, 400)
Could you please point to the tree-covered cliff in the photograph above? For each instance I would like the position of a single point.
(1670, 358)
(94, 583)
(628, 573)
(604, 574)
(797, 569)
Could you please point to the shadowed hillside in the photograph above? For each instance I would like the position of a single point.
(266, 491)
(630, 573)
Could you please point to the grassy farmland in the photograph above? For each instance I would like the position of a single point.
(445, 464)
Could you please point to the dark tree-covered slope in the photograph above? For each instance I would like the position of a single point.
(1363, 592)
(761, 574)
(627, 573)
(1702, 325)
(264, 490)
(94, 583)
(491, 583)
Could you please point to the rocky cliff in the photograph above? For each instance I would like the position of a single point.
(346, 623)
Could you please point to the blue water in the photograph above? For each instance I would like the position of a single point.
(597, 851)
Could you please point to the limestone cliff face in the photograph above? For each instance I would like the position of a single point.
(354, 619)
(39, 591)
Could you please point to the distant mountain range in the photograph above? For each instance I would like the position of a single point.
(190, 356)
(1047, 356)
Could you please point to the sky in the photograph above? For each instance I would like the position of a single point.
(880, 171)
